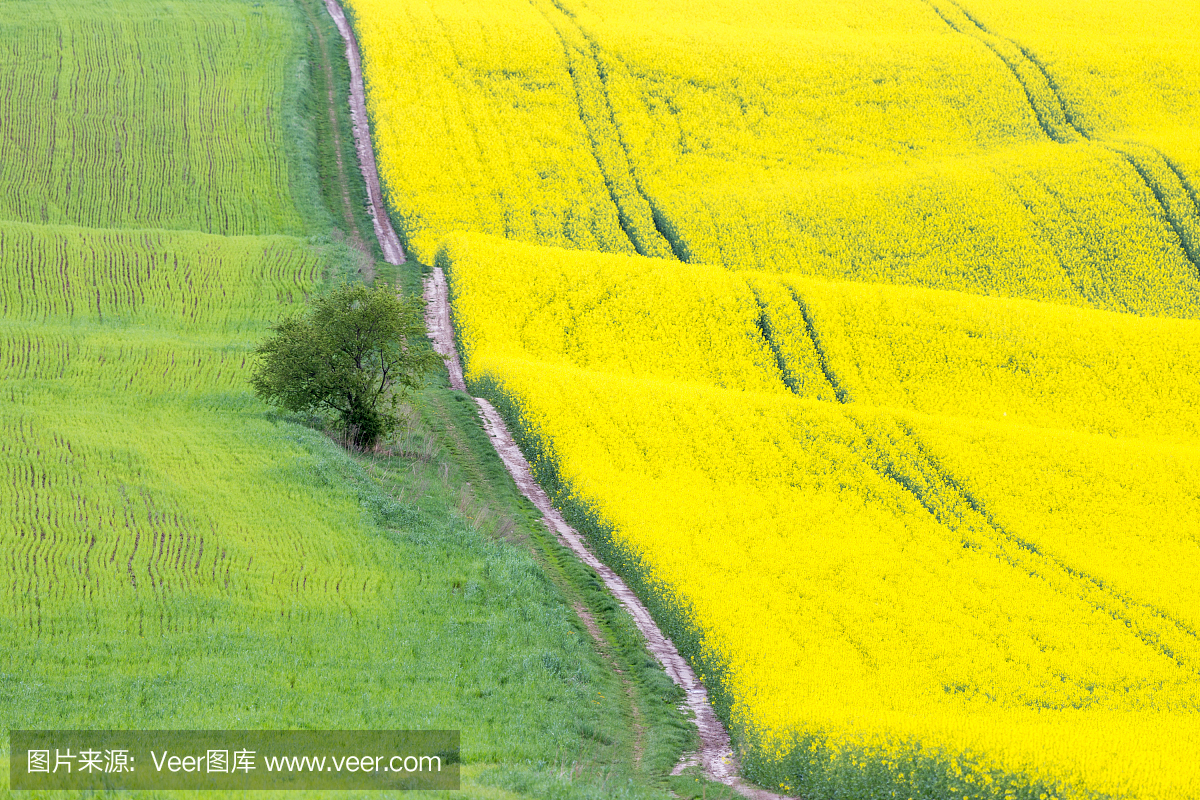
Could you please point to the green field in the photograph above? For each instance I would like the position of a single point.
(173, 554)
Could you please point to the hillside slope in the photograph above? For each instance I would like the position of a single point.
(908, 527)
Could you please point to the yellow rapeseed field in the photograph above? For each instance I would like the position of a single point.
(890, 142)
(1128, 72)
(982, 560)
(508, 153)
(862, 338)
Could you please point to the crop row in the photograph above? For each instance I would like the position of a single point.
(136, 495)
(159, 278)
(137, 367)
(124, 484)
(97, 510)
(118, 120)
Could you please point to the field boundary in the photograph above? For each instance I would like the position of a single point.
(716, 754)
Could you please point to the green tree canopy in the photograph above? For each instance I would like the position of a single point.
(355, 352)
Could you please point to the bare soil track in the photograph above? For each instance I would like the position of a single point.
(716, 755)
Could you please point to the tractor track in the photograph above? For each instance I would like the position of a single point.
(908, 464)
(715, 756)
(1174, 197)
(641, 218)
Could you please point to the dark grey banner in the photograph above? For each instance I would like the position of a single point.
(225, 760)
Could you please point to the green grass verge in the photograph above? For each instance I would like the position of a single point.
(325, 134)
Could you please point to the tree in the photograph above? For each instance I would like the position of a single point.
(352, 353)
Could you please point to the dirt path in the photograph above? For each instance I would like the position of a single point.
(393, 251)
(441, 332)
(716, 755)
